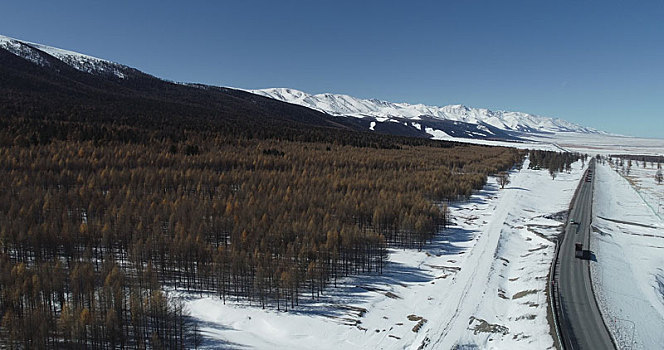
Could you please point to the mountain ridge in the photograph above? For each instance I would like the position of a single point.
(82, 62)
(345, 105)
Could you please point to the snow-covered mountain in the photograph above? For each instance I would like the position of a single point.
(383, 111)
(42, 55)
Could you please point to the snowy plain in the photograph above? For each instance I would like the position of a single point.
(480, 284)
(603, 144)
(591, 144)
(628, 242)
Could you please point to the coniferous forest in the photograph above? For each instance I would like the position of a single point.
(555, 162)
(90, 233)
(112, 193)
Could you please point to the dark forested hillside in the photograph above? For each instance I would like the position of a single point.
(111, 189)
(61, 93)
(40, 104)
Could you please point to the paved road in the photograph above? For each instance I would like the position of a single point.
(581, 323)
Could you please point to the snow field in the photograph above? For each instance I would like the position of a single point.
(628, 242)
(604, 144)
(643, 181)
(507, 307)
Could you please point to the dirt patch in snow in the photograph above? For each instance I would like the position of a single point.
(420, 322)
(453, 269)
(527, 317)
(482, 326)
(523, 293)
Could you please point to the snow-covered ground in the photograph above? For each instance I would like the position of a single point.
(544, 145)
(481, 284)
(643, 180)
(591, 144)
(603, 144)
(628, 243)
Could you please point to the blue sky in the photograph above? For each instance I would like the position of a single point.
(597, 63)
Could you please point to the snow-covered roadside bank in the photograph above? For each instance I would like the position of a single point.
(506, 305)
(628, 275)
(479, 283)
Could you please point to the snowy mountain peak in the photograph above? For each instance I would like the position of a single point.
(89, 64)
(344, 105)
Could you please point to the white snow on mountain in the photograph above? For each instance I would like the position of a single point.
(18, 48)
(34, 53)
(345, 105)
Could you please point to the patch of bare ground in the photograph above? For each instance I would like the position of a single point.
(526, 317)
(520, 336)
(444, 268)
(392, 295)
(523, 293)
(482, 326)
(420, 322)
(419, 325)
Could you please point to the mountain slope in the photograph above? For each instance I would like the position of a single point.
(382, 111)
(69, 93)
(84, 63)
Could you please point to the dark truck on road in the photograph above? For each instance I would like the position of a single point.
(578, 250)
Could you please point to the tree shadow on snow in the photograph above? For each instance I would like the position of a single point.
(444, 242)
(517, 188)
(359, 290)
(209, 341)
